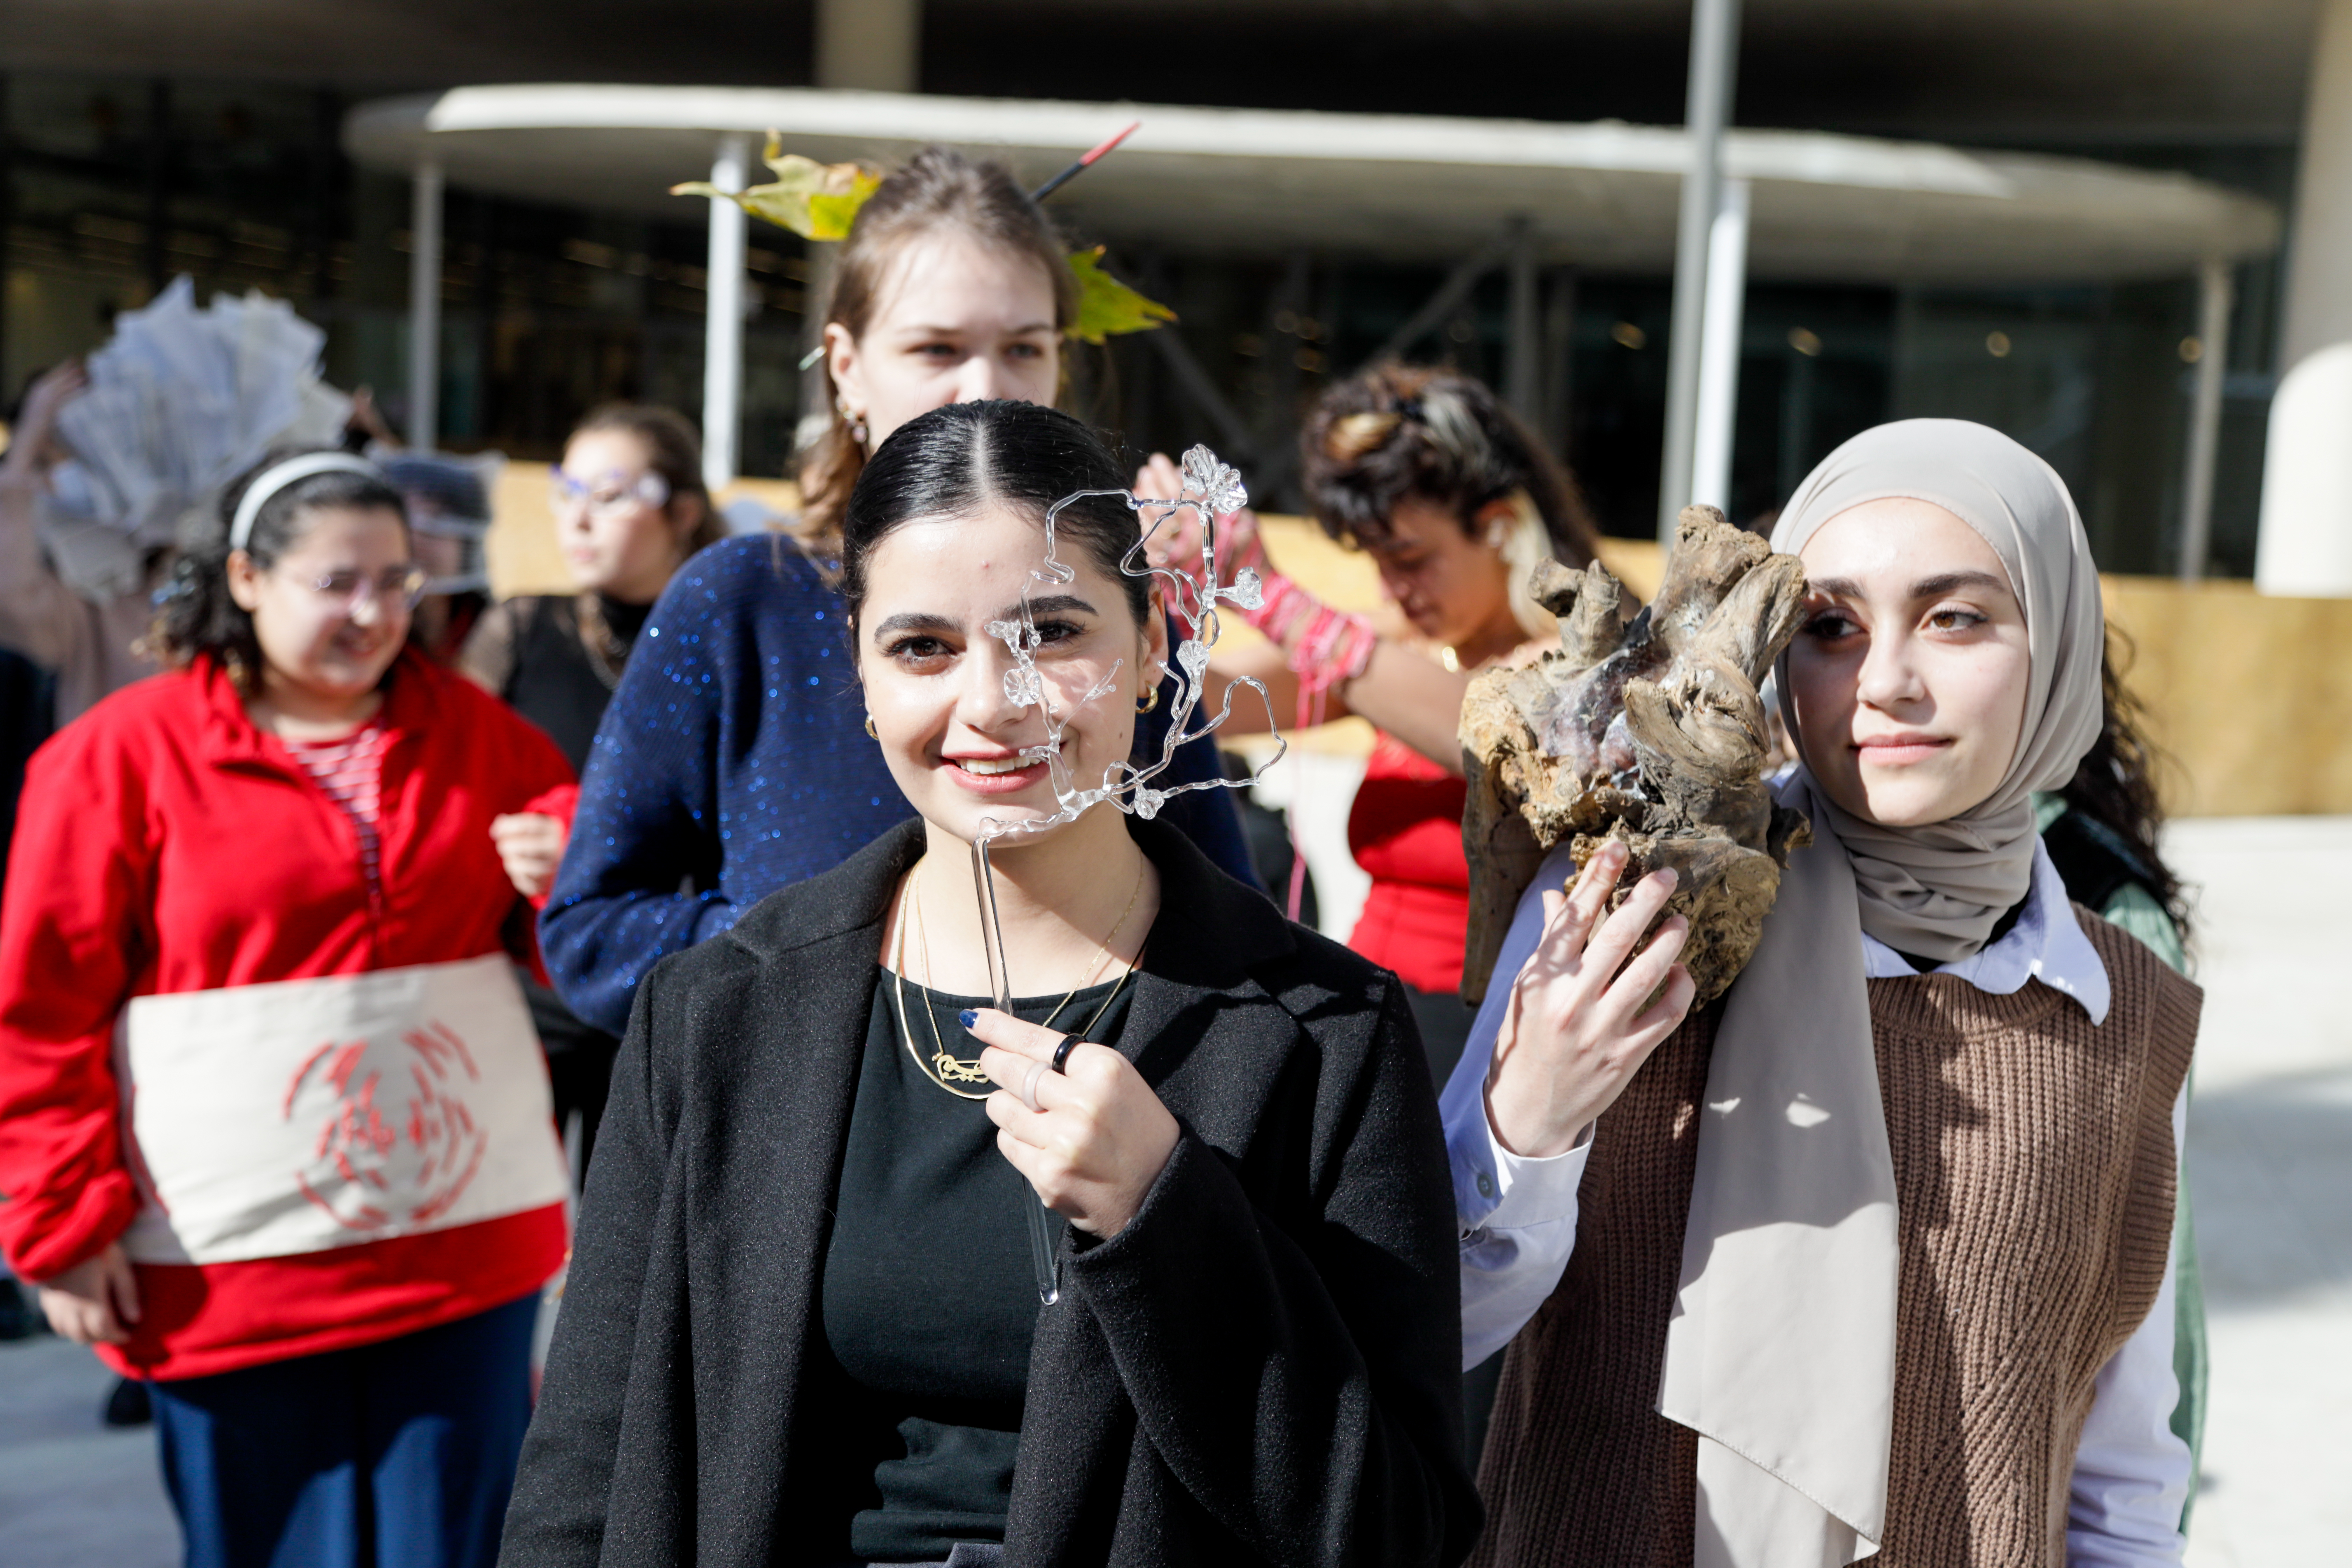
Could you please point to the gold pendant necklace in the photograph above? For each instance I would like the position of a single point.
(947, 1069)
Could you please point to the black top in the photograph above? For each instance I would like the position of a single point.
(930, 1298)
(2094, 861)
(559, 681)
(1264, 1366)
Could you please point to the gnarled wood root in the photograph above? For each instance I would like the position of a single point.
(1645, 728)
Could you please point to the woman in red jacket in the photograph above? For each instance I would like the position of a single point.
(274, 1128)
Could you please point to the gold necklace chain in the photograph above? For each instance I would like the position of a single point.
(915, 889)
(944, 1065)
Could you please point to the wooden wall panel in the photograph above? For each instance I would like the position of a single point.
(2251, 697)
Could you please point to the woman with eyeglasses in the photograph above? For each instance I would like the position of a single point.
(274, 1127)
(630, 507)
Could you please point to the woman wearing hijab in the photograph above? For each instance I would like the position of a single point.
(1872, 1258)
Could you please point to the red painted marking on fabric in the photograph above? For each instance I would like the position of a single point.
(294, 1086)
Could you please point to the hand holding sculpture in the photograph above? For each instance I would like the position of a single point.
(1099, 1137)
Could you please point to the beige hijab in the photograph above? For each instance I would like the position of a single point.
(1781, 1351)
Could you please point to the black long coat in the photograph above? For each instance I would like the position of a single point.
(1264, 1367)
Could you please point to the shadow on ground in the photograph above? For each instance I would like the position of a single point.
(2270, 1164)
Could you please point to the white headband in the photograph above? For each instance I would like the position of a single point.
(292, 470)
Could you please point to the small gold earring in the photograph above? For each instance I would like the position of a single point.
(1151, 700)
(871, 731)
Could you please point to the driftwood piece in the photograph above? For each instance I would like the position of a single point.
(1644, 727)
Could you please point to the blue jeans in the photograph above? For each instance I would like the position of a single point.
(397, 1455)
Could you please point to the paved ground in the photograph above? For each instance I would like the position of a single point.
(73, 1494)
(2270, 1162)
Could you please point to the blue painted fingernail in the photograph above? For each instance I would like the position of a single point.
(968, 1018)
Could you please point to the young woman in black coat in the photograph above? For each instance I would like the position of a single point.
(801, 1324)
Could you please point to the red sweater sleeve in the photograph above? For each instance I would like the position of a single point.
(537, 777)
(562, 803)
(74, 935)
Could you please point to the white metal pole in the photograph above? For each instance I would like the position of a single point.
(1718, 373)
(1715, 51)
(1522, 374)
(2214, 292)
(424, 308)
(722, 342)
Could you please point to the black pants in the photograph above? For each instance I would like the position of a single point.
(1445, 1019)
(579, 1066)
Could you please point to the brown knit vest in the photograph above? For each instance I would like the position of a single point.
(2033, 1168)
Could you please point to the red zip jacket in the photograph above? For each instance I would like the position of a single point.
(165, 844)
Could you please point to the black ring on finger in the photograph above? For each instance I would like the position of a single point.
(1062, 1054)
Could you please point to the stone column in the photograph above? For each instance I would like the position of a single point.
(873, 46)
(2306, 545)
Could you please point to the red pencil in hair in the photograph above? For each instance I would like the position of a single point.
(1074, 170)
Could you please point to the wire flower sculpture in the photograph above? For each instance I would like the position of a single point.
(1209, 488)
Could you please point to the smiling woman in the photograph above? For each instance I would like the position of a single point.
(258, 911)
(1250, 1358)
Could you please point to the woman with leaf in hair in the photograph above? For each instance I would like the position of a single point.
(733, 753)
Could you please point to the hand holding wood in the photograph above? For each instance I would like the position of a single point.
(1581, 1019)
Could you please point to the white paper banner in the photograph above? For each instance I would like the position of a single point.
(269, 1120)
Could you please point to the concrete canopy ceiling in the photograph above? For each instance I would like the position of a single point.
(2012, 69)
(1829, 208)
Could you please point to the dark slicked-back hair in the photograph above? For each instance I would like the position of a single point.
(958, 460)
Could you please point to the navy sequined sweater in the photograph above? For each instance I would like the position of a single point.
(734, 760)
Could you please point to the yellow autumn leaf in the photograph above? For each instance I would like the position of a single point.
(815, 201)
(1106, 305)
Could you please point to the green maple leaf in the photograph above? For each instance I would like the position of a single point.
(815, 201)
(820, 201)
(1106, 305)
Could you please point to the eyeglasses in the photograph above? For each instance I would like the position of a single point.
(401, 585)
(610, 496)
